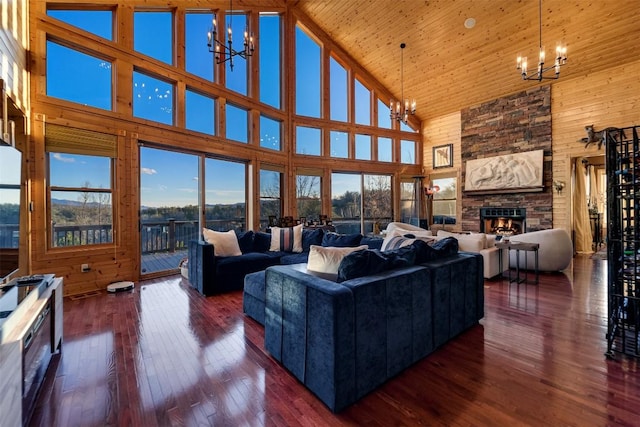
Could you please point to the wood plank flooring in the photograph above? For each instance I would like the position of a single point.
(162, 355)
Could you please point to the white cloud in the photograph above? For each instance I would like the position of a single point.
(61, 158)
(149, 171)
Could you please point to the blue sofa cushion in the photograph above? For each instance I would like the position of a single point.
(230, 271)
(293, 258)
(362, 263)
(311, 237)
(261, 242)
(373, 261)
(434, 250)
(341, 240)
(245, 241)
(372, 242)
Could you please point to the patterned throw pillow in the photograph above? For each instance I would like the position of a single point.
(287, 239)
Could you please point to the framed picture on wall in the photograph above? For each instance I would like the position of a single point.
(443, 156)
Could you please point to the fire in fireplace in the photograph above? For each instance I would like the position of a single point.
(503, 221)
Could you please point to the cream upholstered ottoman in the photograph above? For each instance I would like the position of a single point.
(555, 252)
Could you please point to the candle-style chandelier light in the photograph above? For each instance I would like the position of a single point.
(401, 109)
(560, 60)
(224, 51)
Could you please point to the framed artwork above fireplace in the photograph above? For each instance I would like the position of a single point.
(517, 172)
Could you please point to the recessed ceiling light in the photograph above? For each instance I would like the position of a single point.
(469, 23)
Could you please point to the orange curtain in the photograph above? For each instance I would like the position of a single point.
(581, 223)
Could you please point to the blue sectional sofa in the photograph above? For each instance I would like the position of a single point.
(343, 340)
(211, 274)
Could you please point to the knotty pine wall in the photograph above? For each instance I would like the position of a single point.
(604, 99)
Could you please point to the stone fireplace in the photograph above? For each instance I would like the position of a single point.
(516, 123)
(503, 221)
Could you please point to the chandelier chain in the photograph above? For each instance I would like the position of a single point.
(400, 110)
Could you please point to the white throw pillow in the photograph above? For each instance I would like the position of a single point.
(287, 239)
(326, 259)
(467, 242)
(224, 243)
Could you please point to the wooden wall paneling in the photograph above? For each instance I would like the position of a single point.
(443, 130)
(604, 99)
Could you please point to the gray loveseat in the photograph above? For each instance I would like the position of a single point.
(343, 340)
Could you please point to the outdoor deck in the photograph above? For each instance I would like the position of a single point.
(160, 261)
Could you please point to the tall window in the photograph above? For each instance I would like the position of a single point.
(10, 168)
(237, 123)
(384, 119)
(98, 22)
(444, 200)
(308, 141)
(198, 60)
(200, 113)
(153, 34)
(269, 46)
(169, 210)
(377, 202)
(407, 200)
(270, 196)
(346, 202)
(408, 152)
(307, 82)
(308, 199)
(385, 149)
(339, 144)
(80, 195)
(225, 195)
(363, 104)
(237, 78)
(77, 77)
(363, 147)
(152, 98)
(339, 91)
(270, 133)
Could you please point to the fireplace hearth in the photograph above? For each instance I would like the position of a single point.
(503, 221)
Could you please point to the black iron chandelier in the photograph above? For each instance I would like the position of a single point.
(401, 109)
(560, 60)
(224, 51)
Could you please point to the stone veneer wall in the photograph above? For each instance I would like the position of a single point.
(516, 123)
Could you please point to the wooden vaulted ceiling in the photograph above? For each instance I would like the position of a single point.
(448, 67)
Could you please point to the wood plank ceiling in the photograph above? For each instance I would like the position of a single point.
(448, 67)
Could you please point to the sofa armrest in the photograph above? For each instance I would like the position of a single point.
(309, 328)
(202, 266)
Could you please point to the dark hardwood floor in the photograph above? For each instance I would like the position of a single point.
(164, 355)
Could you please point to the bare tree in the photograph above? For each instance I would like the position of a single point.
(308, 196)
